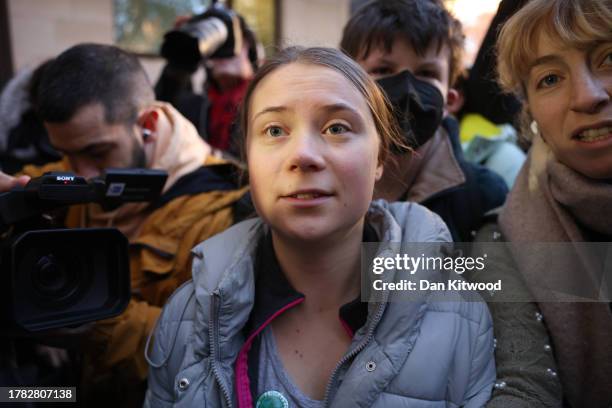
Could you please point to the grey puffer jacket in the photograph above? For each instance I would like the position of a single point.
(408, 354)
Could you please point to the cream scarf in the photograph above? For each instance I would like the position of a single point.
(552, 203)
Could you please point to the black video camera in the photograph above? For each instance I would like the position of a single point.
(216, 33)
(52, 278)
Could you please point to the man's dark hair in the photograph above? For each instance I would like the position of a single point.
(418, 22)
(93, 73)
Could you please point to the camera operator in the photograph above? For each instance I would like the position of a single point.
(220, 40)
(100, 112)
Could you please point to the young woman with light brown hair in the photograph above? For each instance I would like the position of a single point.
(273, 317)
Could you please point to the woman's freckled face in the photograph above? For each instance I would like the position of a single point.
(312, 151)
(569, 95)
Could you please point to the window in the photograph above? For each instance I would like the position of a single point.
(260, 16)
(140, 25)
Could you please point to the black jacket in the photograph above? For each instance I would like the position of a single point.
(463, 207)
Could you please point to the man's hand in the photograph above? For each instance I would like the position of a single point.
(8, 182)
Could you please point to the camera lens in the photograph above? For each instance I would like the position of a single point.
(211, 34)
(60, 278)
(187, 45)
(51, 276)
(54, 278)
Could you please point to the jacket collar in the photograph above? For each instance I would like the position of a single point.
(439, 169)
(273, 291)
(224, 272)
(219, 177)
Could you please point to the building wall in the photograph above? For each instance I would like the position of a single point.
(41, 29)
(313, 22)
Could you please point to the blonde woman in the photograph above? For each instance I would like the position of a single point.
(556, 56)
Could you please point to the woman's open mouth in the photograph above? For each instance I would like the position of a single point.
(594, 134)
(308, 197)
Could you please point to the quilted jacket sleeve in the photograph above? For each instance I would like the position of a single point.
(167, 347)
(482, 371)
(159, 392)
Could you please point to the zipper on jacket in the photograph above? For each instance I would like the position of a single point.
(353, 353)
(213, 332)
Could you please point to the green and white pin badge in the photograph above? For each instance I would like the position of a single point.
(272, 399)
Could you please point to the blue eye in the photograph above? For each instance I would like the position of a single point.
(549, 81)
(274, 131)
(337, 129)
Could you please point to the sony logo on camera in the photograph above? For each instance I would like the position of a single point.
(65, 178)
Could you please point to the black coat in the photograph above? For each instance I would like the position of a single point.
(463, 207)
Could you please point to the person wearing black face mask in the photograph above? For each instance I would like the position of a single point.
(418, 107)
(413, 49)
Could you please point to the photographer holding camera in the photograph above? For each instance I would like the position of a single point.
(220, 40)
(100, 112)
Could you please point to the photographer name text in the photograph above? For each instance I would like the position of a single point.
(424, 284)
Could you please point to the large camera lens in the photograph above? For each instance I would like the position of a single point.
(60, 278)
(50, 273)
(52, 278)
(211, 34)
(196, 39)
